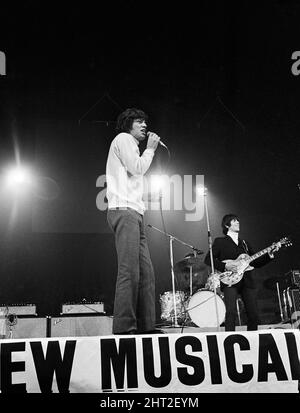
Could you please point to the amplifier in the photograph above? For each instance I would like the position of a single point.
(27, 327)
(294, 277)
(291, 298)
(83, 308)
(83, 325)
(18, 309)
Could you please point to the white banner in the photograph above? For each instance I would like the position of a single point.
(261, 361)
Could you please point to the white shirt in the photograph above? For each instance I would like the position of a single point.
(234, 236)
(124, 172)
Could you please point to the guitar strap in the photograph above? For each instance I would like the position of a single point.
(245, 246)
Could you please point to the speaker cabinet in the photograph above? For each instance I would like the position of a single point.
(29, 327)
(81, 326)
(295, 296)
(292, 303)
(293, 277)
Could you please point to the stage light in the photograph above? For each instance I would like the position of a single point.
(157, 183)
(18, 178)
(201, 190)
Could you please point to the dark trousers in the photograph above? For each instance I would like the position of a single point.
(249, 299)
(134, 305)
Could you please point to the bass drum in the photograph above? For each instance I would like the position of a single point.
(202, 309)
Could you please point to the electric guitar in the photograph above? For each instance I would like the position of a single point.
(242, 262)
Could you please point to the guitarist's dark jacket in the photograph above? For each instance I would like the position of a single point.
(224, 248)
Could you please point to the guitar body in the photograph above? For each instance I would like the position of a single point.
(233, 277)
(242, 263)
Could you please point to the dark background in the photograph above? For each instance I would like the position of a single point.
(216, 81)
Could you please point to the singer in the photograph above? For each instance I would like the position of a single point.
(134, 304)
(160, 141)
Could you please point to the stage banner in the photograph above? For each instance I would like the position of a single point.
(263, 361)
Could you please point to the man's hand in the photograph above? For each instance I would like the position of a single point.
(231, 266)
(153, 140)
(274, 248)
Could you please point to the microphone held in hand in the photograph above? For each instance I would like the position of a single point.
(160, 142)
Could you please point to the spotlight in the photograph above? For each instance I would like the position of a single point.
(17, 177)
(201, 190)
(157, 182)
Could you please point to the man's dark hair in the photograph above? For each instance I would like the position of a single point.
(126, 119)
(226, 221)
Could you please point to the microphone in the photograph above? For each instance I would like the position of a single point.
(160, 142)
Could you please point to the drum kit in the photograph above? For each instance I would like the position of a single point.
(203, 306)
(197, 306)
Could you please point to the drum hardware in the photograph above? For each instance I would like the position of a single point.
(191, 279)
(238, 304)
(190, 261)
(280, 283)
(195, 252)
(289, 304)
(279, 301)
(275, 282)
(292, 304)
(211, 257)
(285, 309)
(192, 266)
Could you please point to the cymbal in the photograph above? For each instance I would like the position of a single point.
(184, 265)
(270, 283)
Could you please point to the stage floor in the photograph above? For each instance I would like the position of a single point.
(191, 329)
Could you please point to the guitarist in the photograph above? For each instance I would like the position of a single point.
(230, 247)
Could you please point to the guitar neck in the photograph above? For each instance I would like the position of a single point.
(259, 254)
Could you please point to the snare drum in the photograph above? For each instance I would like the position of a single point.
(167, 305)
(202, 309)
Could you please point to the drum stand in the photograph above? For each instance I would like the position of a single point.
(238, 311)
(211, 257)
(195, 250)
(191, 277)
(279, 302)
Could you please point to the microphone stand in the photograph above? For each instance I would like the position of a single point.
(211, 257)
(171, 239)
